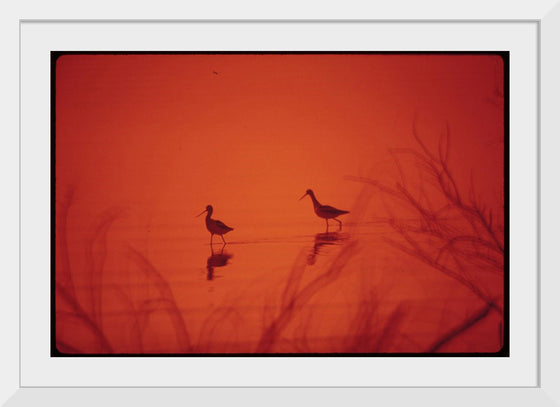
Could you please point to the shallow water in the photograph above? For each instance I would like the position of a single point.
(343, 291)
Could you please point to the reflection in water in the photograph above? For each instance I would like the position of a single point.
(216, 260)
(322, 240)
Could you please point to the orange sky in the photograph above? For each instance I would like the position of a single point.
(159, 128)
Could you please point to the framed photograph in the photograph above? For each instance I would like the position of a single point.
(410, 261)
(132, 277)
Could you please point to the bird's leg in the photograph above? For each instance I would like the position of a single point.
(211, 236)
(327, 223)
(224, 240)
(339, 224)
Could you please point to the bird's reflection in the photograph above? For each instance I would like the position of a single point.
(216, 260)
(322, 242)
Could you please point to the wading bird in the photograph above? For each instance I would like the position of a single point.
(324, 211)
(215, 227)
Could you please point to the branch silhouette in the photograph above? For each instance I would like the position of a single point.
(457, 236)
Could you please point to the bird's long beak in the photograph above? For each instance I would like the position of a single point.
(205, 210)
(304, 195)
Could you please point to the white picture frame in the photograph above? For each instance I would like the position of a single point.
(546, 17)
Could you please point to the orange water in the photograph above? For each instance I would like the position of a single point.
(145, 142)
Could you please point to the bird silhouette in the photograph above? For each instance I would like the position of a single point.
(214, 226)
(325, 211)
